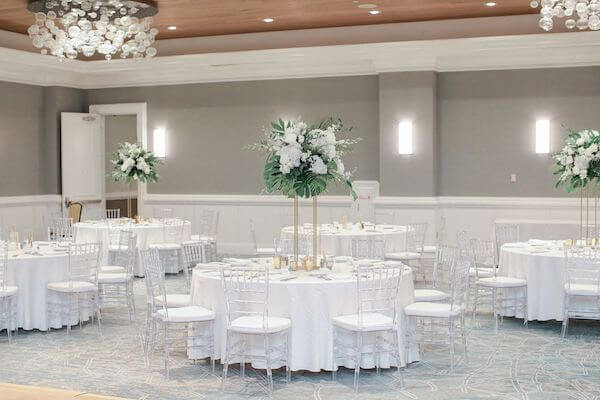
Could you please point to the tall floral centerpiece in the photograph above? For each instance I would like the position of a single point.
(131, 164)
(578, 166)
(303, 161)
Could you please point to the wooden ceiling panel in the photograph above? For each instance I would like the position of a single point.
(195, 18)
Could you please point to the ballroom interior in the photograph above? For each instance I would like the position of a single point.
(253, 199)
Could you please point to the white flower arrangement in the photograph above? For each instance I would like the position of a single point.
(134, 163)
(302, 160)
(578, 162)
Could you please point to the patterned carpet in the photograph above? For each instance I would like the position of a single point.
(516, 363)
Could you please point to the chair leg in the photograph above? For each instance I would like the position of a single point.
(475, 300)
(288, 357)
(268, 362)
(565, 322)
(358, 359)
(166, 346)
(463, 334)
(226, 359)
(494, 294)
(451, 340)
(211, 338)
(334, 355)
(399, 360)
(525, 309)
(377, 354)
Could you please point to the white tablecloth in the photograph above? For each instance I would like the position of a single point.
(542, 267)
(310, 303)
(549, 229)
(147, 233)
(31, 273)
(338, 241)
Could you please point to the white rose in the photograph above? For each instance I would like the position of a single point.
(289, 138)
(569, 159)
(580, 141)
(318, 166)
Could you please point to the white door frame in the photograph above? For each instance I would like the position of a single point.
(140, 110)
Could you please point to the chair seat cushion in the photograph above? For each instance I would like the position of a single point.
(370, 322)
(112, 269)
(428, 249)
(72, 287)
(114, 277)
(255, 324)
(9, 291)
(165, 246)
(502, 282)
(582, 289)
(186, 314)
(175, 300)
(402, 255)
(430, 295)
(267, 251)
(481, 272)
(435, 310)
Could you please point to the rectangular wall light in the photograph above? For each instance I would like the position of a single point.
(542, 136)
(160, 142)
(405, 137)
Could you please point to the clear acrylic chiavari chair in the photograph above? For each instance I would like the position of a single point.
(439, 291)
(184, 328)
(368, 248)
(246, 291)
(8, 296)
(170, 247)
(581, 284)
(116, 287)
(163, 213)
(61, 230)
(79, 292)
(114, 213)
(259, 250)
(413, 249)
(193, 254)
(376, 319)
(505, 233)
(450, 315)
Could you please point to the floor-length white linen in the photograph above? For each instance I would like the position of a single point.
(542, 267)
(311, 304)
(148, 233)
(338, 241)
(31, 273)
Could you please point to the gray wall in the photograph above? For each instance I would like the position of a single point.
(118, 129)
(208, 126)
(408, 96)
(487, 127)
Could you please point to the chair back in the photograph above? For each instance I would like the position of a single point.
(459, 283)
(173, 230)
(83, 262)
(74, 211)
(582, 268)
(370, 247)
(154, 277)
(377, 288)
(445, 258)
(253, 233)
(415, 237)
(126, 250)
(246, 291)
(193, 253)
(113, 213)
(61, 230)
(483, 254)
(3, 263)
(306, 240)
(505, 233)
(463, 243)
(162, 213)
(208, 223)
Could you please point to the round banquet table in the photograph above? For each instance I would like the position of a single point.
(148, 233)
(337, 240)
(31, 270)
(310, 303)
(541, 264)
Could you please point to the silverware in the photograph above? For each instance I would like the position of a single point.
(287, 279)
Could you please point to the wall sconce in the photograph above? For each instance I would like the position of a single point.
(160, 142)
(405, 137)
(542, 136)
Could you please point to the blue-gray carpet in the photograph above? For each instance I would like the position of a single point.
(516, 363)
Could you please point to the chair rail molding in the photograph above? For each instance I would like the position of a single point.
(462, 54)
(7, 201)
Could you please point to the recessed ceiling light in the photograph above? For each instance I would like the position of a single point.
(367, 5)
(375, 12)
(172, 28)
(268, 20)
(490, 4)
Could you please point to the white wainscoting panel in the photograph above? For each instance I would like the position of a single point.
(28, 213)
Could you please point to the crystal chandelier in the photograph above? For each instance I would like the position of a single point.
(581, 14)
(68, 28)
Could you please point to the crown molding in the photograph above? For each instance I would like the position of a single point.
(464, 54)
